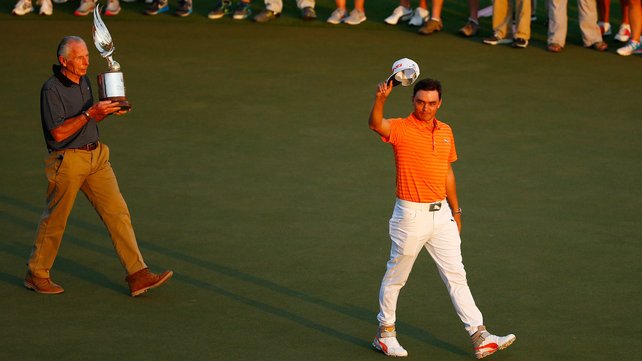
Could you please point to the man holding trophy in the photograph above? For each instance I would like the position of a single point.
(78, 161)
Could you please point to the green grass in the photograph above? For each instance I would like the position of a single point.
(249, 170)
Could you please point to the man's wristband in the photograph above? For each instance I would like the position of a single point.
(457, 212)
(86, 114)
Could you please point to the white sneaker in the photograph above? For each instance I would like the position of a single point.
(399, 13)
(630, 48)
(387, 343)
(356, 17)
(605, 28)
(113, 8)
(85, 8)
(337, 16)
(46, 8)
(420, 16)
(486, 344)
(22, 7)
(624, 34)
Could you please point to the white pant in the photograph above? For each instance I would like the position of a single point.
(277, 5)
(413, 226)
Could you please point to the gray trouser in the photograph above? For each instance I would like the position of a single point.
(277, 5)
(558, 21)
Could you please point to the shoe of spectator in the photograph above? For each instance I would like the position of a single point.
(184, 8)
(22, 7)
(520, 43)
(605, 28)
(496, 40)
(337, 16)
(432, 26)
(46, 7)
(113, 8)
(554, 48)
(308, 13)
(243, 11)
(470, 29)
(85, 8)
(399, 13)
(157, 7)
(419, 17)
(599, 46)
(266, 15)
(624, 34)
(356, 17)
(222, 8)
(631, 47)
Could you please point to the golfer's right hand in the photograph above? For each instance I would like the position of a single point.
(383, 90)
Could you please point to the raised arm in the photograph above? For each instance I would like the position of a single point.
(376, 120)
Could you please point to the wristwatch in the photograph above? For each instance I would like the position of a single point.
(458, 211)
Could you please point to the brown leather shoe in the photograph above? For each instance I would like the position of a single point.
(42, 285)
(432, 26)
(143, 280)
(554, 48)
(599, 46)
(266, 15)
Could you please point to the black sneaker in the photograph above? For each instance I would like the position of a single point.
(266, 15)
(157, 7)
(184, 8)
(222, 8)
(308, 13)
(243, 11)
(520, 43)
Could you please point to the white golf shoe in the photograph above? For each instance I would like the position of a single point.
(22, 7)
(46, 8)
(419, 17)
(486, 344)
(399, 13)
(387, 343)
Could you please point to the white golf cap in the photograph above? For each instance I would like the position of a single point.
(404, 71)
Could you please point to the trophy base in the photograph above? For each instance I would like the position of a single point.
(122, 101)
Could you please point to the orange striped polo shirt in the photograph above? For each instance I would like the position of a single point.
(422, 156)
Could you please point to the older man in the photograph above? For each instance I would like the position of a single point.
(78, 161)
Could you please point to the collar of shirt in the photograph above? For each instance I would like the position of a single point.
(424, 124)
(63, 79)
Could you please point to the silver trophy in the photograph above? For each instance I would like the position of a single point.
(111, 85)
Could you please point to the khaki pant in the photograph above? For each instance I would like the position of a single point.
(69, 171)
(503, 18)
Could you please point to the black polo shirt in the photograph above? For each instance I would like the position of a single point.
(61, 99)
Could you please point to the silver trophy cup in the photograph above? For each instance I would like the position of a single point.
(111, 85)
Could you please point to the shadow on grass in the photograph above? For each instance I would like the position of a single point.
(78, 270)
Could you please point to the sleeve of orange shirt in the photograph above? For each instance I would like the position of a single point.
(396, 126)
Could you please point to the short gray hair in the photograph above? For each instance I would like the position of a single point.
(63, 47)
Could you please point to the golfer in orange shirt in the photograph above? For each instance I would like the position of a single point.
(426, 214)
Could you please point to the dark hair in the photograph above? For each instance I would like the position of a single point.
(427, 84)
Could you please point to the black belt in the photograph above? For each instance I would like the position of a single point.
(90, 146)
